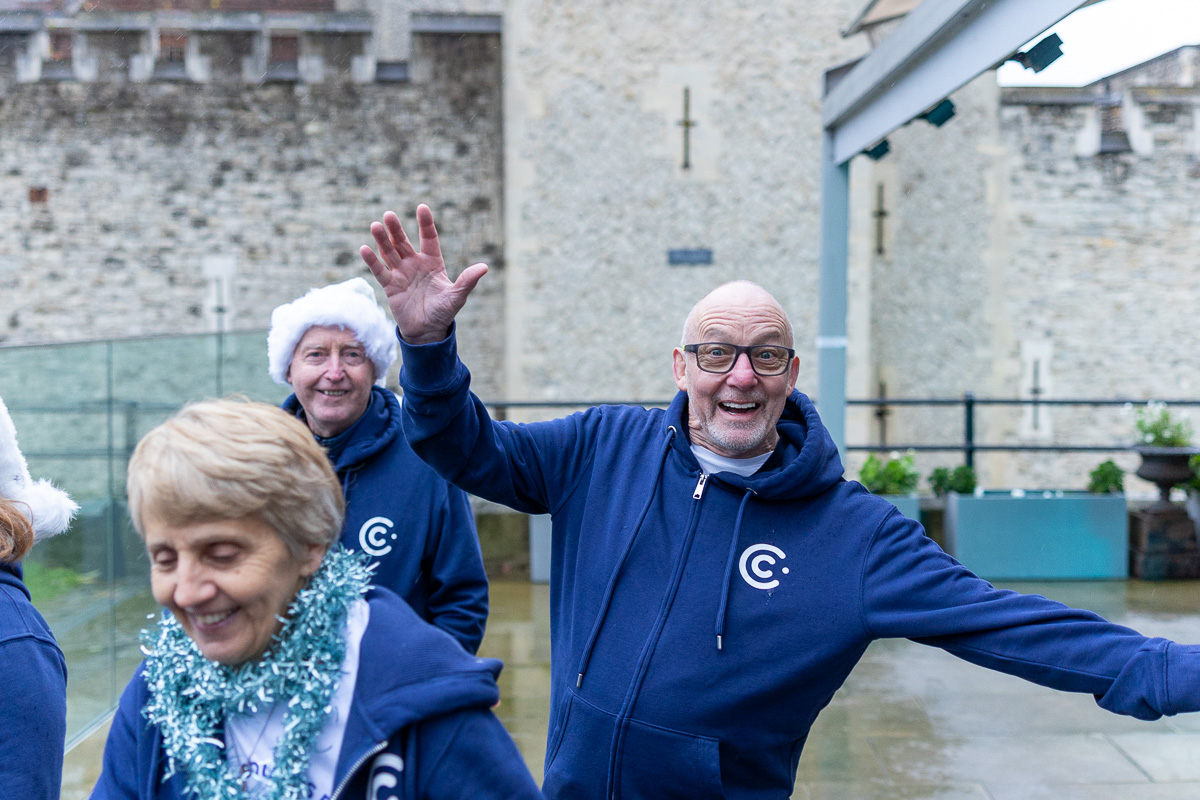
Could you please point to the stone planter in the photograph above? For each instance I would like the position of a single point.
(1193, 509)
(1162, 543)
(1039, 535)
(1165, 467)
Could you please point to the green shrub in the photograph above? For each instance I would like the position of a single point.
(961, 480)
(45, 583)
(1106, 478)
(898, 475)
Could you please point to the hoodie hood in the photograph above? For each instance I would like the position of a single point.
(428, 675)
(805, 462)
(371, 434)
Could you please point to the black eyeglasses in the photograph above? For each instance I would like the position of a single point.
(719, 357)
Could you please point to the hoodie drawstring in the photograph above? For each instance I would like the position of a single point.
(733, 544)
(612, 581)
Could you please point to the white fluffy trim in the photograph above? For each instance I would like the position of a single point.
(350, 304)
(49, 509)
(52, 509)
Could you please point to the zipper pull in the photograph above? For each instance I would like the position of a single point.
(700, 486)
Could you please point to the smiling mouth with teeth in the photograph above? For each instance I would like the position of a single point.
(739, 408)
(212, 619)
(334, 392)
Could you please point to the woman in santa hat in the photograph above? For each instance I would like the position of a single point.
(33, 717)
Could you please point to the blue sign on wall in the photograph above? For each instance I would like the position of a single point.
(690, 257)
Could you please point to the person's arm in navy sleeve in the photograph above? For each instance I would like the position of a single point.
(33, 721)
(120, 775)
(458, 585)
(467, 755)
(914, 590)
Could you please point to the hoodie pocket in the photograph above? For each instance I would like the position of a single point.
(652, 762)
(556, 737)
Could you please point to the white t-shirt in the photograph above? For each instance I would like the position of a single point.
(250, 740)
(710, 462)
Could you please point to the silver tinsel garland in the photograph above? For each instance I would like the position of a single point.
(190, 696)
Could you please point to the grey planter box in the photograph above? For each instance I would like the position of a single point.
(1040, 536)
(908, 504)
(540, 534)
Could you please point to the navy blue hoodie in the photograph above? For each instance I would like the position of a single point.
(33, 722)
(420, 725)
(698, 625)
(417, 529)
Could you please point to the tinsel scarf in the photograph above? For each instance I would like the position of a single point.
(191, 697)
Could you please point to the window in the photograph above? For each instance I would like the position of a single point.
(283, 56)
(172, 53)
(58, 67)
(60, 45)
(172, 47)
(284, 49)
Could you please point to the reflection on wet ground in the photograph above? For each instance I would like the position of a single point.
(914, 723)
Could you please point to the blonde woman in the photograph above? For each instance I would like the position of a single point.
(279, 672)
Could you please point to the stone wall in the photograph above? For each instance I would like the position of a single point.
(929, 292)
(393, 36)
(1024, 244)
(1018, 240)
(1104, 250)
(598, 194)
(133, 209)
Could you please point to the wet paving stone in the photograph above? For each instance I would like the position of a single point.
(914, 722)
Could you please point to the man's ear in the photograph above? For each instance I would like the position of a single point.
(679, 365)
(793, 373)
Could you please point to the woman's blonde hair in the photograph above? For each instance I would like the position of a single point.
(232, 458)
(16, 531)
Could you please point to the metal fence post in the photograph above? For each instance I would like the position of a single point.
(969, 429)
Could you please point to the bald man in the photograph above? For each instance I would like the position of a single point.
(714, 579)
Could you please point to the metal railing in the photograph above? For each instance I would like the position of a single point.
(968, 445)
(971, 404)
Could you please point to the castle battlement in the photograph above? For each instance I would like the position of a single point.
(248, 47)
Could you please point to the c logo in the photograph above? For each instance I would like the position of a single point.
(385, 774)
(766, 553)
(373, 536)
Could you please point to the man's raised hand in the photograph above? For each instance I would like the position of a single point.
(423, 299)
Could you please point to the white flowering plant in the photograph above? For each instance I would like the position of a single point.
(1157, 427)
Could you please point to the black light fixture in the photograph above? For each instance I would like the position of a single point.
(940, 114)
(1041, 55)
(878, 151)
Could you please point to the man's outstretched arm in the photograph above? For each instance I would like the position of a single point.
(423, 299)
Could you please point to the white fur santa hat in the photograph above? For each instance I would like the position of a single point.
(49, 509)
(350, 304)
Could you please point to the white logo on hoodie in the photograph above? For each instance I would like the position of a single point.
(767, 554)
(385, 774)
(374, 536)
